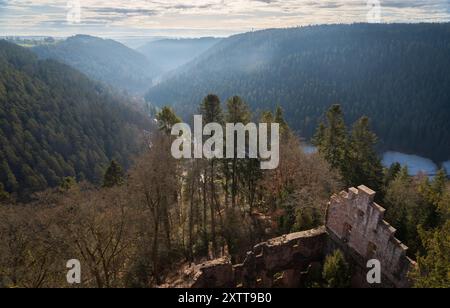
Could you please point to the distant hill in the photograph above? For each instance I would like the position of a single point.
(397, 74)
(173, 53)
(56, 123)
(103, 60)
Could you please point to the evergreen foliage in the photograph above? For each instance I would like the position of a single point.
(397, 74)
(56, 123)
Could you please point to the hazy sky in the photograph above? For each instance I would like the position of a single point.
(198, 17)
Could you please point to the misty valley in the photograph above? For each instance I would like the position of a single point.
(276, 158)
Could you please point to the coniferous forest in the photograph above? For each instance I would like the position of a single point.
(104, 60)
(87, 172)
(56, 123)
(396, 74)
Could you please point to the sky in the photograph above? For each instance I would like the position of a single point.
(194, 18)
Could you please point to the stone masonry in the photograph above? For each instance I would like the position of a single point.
(354, 224)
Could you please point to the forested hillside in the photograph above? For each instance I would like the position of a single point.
(172, 53)
(395, 74)
(103, 60)
(167, 214)
(56, 123)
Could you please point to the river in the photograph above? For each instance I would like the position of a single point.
(416, 164)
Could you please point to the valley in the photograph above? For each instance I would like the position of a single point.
(372, 70)
(96, 159)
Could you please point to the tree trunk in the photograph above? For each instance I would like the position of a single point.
(212, 206)
(166, 222)
(234, 184)
(191, 219)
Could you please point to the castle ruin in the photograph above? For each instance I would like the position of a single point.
(354, 224)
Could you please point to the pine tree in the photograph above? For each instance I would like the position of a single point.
(279, 118)
(408, 206)
(8, 177)
(237, 112)
(331, 139)
(438, 185)
(391, 173)
(211, 110)
(114, 175)
(4, 196)
(67, 183)
(167, 119)
(363, 165)
(267, 117)
(336, 271)
(444, 206)
(433, 269)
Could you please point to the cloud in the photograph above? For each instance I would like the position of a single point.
(123, 11)
(224, 16)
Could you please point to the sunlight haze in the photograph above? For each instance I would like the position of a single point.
(194, 18)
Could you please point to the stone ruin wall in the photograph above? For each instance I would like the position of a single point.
(290, 255)
(354, 223)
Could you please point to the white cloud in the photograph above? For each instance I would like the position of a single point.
(202, 16)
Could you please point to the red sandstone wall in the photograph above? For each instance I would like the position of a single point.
(356, 220)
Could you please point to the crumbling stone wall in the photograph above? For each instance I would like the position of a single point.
(354, 224)
(287, 256)
(278, 262)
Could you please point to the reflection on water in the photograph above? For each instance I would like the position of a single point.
(446, 166)
(416, 164)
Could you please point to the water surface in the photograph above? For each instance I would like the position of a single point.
(416, 164)
(446, 166)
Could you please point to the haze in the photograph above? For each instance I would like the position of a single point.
(195, 18)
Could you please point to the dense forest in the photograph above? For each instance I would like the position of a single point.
(85, 174)
(56, 123)
(172, 53)
(103, 60)
(140, 228)
(396, 74)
